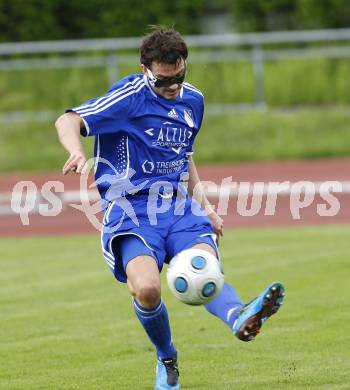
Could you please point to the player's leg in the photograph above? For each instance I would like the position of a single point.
(143, 281)
(244, 320)
(193, 231)
(143, 277)
(227, 304)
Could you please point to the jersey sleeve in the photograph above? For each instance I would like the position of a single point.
(201, 113)
(198, 120)
(110, 112)
(104, 114)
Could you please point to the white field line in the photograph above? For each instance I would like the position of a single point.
(212, 190)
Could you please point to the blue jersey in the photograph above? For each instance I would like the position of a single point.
(139, 135)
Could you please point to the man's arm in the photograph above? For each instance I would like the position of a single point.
(68, 128)
(196, 191)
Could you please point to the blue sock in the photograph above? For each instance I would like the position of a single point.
(156, 324)
(227, 305)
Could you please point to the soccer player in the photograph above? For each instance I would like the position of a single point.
(144, 129)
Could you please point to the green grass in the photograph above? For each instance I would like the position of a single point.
(65, 324)
(304, 132)
(34, 147)
(292, 82)
(274, 135)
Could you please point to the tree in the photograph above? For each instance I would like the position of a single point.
(22, 20)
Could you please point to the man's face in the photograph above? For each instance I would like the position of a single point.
(163, 71)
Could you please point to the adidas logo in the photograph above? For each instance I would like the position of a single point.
(173, 114)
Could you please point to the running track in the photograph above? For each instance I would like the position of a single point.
(71, 221)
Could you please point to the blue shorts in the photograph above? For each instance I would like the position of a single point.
(162, 233)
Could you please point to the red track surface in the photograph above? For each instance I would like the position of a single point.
(72, 221)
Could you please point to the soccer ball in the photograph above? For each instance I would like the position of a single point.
(195, 276)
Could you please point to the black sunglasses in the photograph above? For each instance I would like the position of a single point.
(165, 81)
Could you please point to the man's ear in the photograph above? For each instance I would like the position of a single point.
(144, 69)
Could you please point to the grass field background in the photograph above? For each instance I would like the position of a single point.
(65, 323)
(289, 82)
(273, 135)
(308, 114)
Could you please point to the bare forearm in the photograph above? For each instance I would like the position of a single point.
(195, 187)
(196, 191)
(68, 129)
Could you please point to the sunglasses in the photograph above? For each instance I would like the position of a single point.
(165, 81)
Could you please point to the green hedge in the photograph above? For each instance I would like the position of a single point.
(267, 15)
(34, 20)
(62, 19)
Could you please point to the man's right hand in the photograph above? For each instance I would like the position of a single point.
(75, 163)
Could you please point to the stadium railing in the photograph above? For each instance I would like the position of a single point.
(254, 47)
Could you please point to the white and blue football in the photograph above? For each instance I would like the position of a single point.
(195, 276)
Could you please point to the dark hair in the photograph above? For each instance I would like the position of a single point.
(162, 45)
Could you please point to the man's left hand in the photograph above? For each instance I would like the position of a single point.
(218, 224)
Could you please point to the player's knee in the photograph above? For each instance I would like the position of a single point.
(148, 295)
(207, 248)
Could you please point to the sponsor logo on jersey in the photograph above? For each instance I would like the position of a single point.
(173, 114)
(163, 167)
(188, 115)
(170, 136)
(148, 166)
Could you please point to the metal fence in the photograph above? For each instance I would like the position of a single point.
(254, 47)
